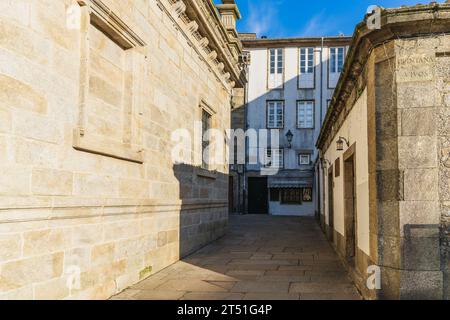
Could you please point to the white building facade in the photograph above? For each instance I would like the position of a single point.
(291, 82)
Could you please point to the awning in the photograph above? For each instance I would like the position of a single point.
(304, 183)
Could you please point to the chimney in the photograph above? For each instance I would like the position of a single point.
(229, 13)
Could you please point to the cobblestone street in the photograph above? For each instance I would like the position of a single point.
(261, 257)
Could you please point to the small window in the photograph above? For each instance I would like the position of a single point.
(306, 60)
(336, 59)
(272, 61)
(305, 114)
(304, 159)
(307, 194)
(275, 116)
(274, 158)
(206, 125)
(276, 61)
(291, 196)
(274, 195)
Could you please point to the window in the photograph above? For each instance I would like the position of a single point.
(304, 159)
(274, 158)
(275, 116)
(291, 196)
(206, 125)
(307, 194)
(336, 59)
(275, 68)
(305, 114)
(306, 60)
(274, 195)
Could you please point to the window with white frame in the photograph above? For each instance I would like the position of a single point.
(275, 114)
(304, 159)
(275, 68)
(274, 158)
(305, 114)
(336, 59)
(306, 60)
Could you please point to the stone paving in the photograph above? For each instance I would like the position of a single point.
(261, 257)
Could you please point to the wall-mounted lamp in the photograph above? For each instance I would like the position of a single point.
(340, 144)
(324, 162)
(289, 137)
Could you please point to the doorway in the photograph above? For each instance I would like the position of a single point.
(330, 204)
(230, 194)
(257, 196)
(350, 204)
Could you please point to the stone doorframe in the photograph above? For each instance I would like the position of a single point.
(330, 201)
(350, 214)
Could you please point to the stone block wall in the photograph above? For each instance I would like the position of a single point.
(422, 76)
(89, 194)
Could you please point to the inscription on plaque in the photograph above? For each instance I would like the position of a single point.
(415, 67)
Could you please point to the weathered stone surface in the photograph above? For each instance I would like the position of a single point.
(51, 182)
(418, 121)
(420, 184)
(421, 253)
(18, 273)
(421, 285)
(417, 213)
(417, 152)
(10, 246)
(416, 94)
(17, 94)
(444, 184)
(45, 241)
(92, 207)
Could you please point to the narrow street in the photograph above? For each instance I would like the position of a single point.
(261, 257)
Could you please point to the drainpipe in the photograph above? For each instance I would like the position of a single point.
(321, 83)
(244, 167)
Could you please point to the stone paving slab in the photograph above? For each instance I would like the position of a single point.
(261, 258)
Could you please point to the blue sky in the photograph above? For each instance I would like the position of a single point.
(300, 18)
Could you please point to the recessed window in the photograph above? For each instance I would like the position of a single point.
(306, 60)
(336, 59)
(206, 125)
(304, 159)
(275, 114)
(291, 196)
(305, 114)
(276, 66)
(274, 158)
(307, 194)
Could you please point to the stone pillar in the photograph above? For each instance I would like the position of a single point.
(229, 13)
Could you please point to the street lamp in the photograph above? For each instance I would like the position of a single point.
(289, 136)
(340, 144)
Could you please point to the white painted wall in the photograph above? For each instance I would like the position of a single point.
(354, 129)
(278, 209)
(292, 91)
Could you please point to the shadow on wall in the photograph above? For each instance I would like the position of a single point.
(204, 206)
(293, 100)
(423, 252)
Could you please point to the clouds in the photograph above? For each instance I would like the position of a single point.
(263, 17)
(301, 18)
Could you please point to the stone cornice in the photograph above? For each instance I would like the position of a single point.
(404, 22)
(200, 22)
